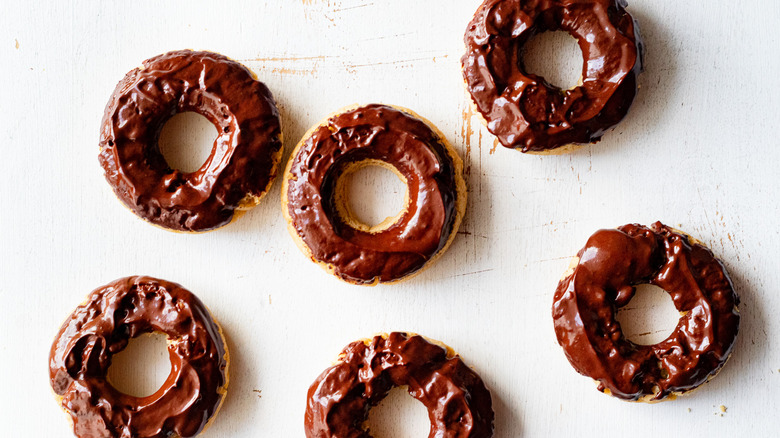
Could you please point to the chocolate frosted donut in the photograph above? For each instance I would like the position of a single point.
(602, 279)
(242, 163)
(103, 326)
(392, 137)
(459, 405)
(522, 109)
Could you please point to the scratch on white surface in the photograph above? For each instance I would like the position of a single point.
(545, 225)
(554, 259)
(474, 273)
(400, 62)
(259, 392)
(590, 159)
(287, 58)
(349, 8)
(292, 71)
(389, 36)
(468, 233)
(311, 7)
(290, 65)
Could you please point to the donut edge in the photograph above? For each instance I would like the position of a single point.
(565, 149)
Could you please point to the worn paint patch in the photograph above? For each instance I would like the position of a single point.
(290, 65)
(467, 129)
(495, 146)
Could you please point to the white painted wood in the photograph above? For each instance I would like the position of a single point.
(699, 150)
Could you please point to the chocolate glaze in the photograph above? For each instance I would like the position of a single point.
(243, 160)
(459, 405)
(386, 134)
(522, 109)
(112, 315)
(610, 265)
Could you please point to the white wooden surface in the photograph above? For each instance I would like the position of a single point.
(699, 150)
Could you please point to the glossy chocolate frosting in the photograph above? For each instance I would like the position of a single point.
(610, 265)
(112, 315)
(522, 109)
(374, 132)
(459, 405)
(243, 160)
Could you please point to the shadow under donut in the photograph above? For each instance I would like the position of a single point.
(651, 107)
(507, 419)
(235, 405)
(266, 214)
(471, 242)
(750, 346)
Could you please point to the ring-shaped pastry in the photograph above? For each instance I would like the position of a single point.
(523, 110)
(458, 403)
(101, 327)
(243, 161)
(312, 198)
(602, 279)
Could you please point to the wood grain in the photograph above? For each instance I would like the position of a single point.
(699, 151)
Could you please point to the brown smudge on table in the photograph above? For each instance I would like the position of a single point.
(495, 146)
(294, 72)
(286, 58)
(316, 9)
(290, 65)
(467, 130)
(401, 63)
(349, 8)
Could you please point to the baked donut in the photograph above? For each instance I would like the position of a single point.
(602, 278)
(244, 158)
(459, 405)
(325, 229)
(101, 327)
(523, 110)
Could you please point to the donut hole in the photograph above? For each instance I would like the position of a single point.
(371, 195)
(555, 56)
(141, 369)
(650, 316)
(398, 415)
(186, 141)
